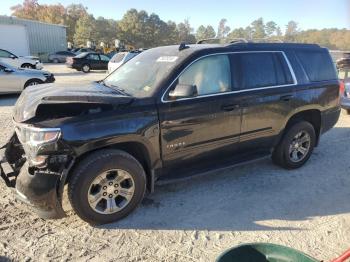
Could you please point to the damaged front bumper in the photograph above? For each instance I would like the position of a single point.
(41, 189)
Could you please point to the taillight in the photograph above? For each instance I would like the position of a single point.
(341, 88)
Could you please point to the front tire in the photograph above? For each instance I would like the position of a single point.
(33, 82)
(296, 146)
(106, 186)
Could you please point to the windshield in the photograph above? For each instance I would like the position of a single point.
(118, 57)
(140, 76)
(82, 55)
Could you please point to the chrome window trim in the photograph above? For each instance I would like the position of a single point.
(291, 70)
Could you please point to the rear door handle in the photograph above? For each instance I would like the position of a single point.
(286, 97)
(229, 107)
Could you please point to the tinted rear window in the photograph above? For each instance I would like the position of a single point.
(117, 58)
(263, 70)
(318, 65)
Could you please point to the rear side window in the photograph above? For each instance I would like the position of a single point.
(266, 69)
(318, 65)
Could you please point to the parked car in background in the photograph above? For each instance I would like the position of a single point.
(60, 56)
(121, 58)
(83, 50)
(170, 112)
(17, 61)
(88, 61)
(343, 66)
(14, 80)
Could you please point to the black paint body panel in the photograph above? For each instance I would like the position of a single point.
(180, 137)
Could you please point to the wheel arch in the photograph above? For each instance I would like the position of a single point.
(136, 149)
(32, 80)
(26, 63)
(313, 116)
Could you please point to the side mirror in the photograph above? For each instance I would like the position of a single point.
(13, 56)
(8, 70)
(183, 91)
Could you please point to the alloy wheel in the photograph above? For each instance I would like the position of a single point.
(111, 191)
(300, 146)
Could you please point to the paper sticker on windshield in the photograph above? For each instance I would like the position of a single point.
(167, 59)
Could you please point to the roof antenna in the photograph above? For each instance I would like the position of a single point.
(183, 46)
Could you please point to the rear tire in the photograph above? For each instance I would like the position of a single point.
(95, 193)
(296, 146)
(56, 61)
(28, 66)
(86, 68)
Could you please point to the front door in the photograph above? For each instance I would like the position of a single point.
(94, 61)
(267, 89)
(203, 129)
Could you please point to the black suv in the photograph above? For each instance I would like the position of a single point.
(168, 113)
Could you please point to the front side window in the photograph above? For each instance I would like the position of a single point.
(94, 57)
(210, 75)
(265, 69)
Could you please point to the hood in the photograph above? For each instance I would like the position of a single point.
(33, 71)
(30, 57)
(62, 97)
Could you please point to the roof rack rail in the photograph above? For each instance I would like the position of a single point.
(266, 40)
(231, 41)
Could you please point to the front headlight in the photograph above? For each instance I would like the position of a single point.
(33, 139)
(34, 136)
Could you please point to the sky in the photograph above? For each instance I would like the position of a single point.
(310, 14)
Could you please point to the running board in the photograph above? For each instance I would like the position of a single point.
(169, 179)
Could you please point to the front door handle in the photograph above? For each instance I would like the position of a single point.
(229, 107)
(286, 97)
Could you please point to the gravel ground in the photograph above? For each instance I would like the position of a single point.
(307, 209)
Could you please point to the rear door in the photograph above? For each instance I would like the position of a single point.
(202, 130)
(104, 62)
(267, 88)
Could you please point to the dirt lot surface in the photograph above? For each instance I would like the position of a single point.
(307, 209)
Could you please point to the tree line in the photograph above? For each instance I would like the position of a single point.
(143, 30)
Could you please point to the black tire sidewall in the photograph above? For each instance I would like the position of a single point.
(82, 68)
(296, 128)
(87, 172)
(38, 81)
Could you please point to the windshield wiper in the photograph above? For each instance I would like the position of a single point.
(120, 90)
